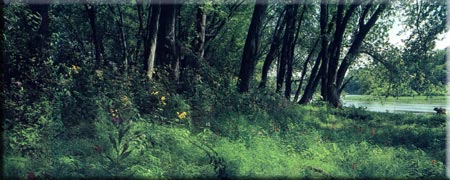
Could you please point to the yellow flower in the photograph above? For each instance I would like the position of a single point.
(181, 115)
(155, 93)
(125, 100)
(163, 98)
(99, 73)
(75, 68)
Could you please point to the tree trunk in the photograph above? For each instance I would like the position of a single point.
(150, 42)
(41, 40)
(92, 15)
(354, 48)
(166, 50)
(321, 58)
(287, 41)
(249, 60)
(324, 67)
(287, 51)
(200, 26)
(332, 94)
(140, 34)
(122, 35)
(305, 66)
(276, 42)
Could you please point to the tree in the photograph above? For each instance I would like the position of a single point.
(91, 11)
(150, 42)
(166, 49)
(274, 47)
(332, 73)
(287, 53)
(249, 55)
(426, 20)
(200, 29)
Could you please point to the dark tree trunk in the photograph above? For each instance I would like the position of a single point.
(3, 74)
(313, 81)
(289, 75)
(123, 40)
(249, 60)
(200, 26)
(276, 42)
(324, 67)
(41, 39)
(92, 15)
(354, 48)
(335, 50)
(321, 58)
(288, 50)
(150, 42)
(166, 50)
(139, 35)
(305, 66)
(288, 39)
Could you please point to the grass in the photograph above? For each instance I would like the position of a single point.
(317, 142)
(265, 137)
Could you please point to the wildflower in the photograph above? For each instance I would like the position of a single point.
(115, 120)
(114, 113)
(98, 149)
(163, 100)
(75, 68)
(181, 115)
(99, 73)
(31, 175)
(125, 100)
(154, 93)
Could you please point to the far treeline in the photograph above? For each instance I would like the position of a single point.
(300, 48)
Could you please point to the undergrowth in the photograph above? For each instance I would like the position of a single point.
(120, 127)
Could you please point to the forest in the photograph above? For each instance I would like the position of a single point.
(233, 89)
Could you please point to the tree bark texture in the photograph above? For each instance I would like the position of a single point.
(150, 41)
(274, 47)
(251, 46)
(166, 50)
(92, 15)
(287, 52)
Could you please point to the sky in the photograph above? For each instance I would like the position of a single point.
(394, 38)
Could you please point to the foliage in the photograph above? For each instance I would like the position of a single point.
(66, 118)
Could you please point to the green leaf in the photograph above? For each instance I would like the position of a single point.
(113, 141)
(110, 158)
(122, 133)
(125, 155)
(125, 147)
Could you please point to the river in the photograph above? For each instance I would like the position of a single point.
(395, 106)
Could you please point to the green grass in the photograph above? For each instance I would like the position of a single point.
(241, 136)
(316, 142)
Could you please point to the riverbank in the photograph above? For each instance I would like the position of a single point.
(418, 104)
(397, 99)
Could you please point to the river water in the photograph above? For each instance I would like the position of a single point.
(396, 106)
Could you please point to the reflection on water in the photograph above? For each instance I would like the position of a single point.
(380, 106)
